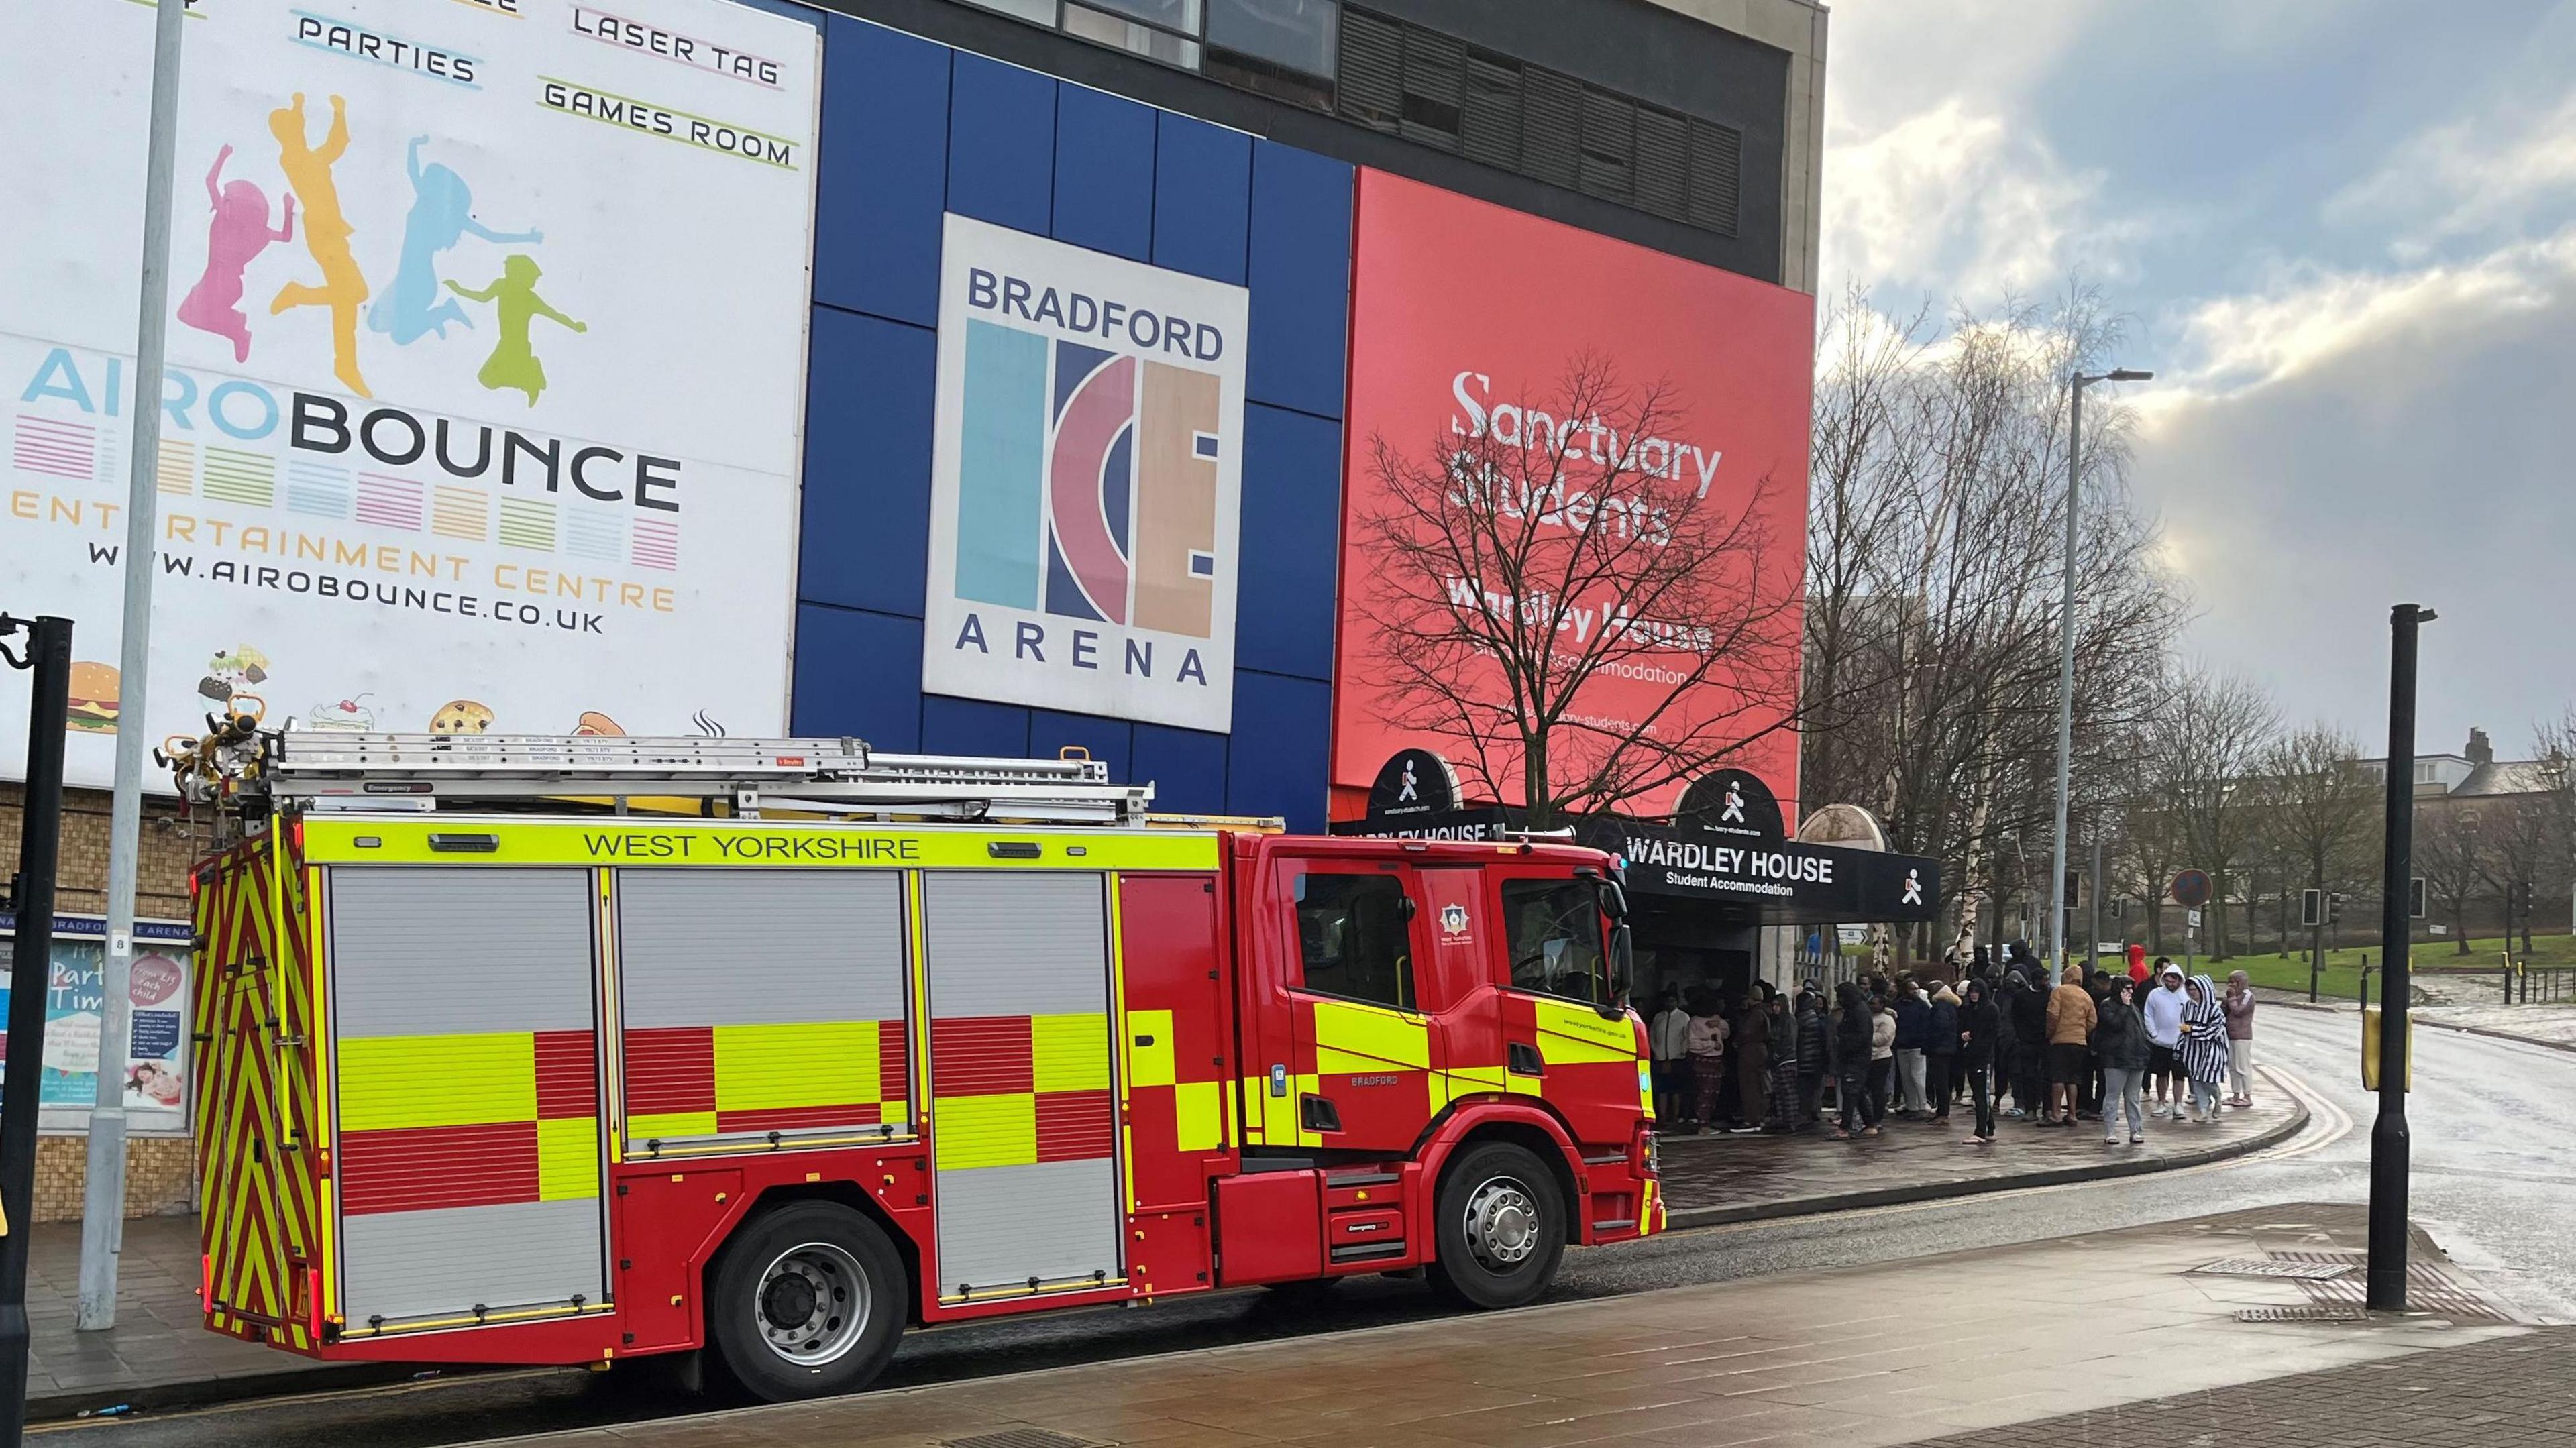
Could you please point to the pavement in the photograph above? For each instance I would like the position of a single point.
(1721, 1178)
(159, 1356)
(1896, 1352)
(2477, 1012)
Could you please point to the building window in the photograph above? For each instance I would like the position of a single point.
(1438, 91)
(1294, 35)
(1283, 48)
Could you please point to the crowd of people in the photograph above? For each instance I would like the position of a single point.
(2002, 1041)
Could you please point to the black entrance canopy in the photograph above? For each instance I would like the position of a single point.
(1780, 881)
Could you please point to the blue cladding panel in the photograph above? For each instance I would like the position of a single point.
(867, 463)
(1301, 275)
(1109, 740)
(858, 673)
(1185, 766)
(1001, 143)
(1104, 172)
(972, 726)
(884, 176)
(1292, 471)
(1277, 765)
(1202, 174)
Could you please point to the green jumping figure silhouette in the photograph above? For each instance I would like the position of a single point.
(513, 363)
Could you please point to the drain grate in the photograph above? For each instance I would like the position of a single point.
(2275, 1267)
(1019, 1438)
(2429, 1289)
(2325, 1313)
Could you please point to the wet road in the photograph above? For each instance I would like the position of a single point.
(2494, 1143)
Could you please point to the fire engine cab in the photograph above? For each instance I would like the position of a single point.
(570, 1050)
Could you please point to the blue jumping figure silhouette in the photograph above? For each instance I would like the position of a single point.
(442, 214)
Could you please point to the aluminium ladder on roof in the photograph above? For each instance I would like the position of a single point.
(331, 769)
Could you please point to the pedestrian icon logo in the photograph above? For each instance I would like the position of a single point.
(1734, 812)
(1412, 790)
(1913, 888)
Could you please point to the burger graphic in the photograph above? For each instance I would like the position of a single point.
(593, 724)
(94, 691)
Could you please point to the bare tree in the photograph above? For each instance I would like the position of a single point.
(1933, 617)
(2318, 806)
(2448, 853)
(1560, 550)
(2207, 743)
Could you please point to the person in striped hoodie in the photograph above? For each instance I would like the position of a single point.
(2202, 1049)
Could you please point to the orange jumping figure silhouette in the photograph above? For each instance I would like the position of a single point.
(513, 364)
(326, 233)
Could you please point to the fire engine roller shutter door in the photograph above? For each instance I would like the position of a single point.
(1022, 1119)
(759, 1001)
(464, 1031)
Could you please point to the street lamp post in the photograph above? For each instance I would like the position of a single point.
(2066, 648)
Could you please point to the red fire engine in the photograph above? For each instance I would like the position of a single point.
(538, 1050)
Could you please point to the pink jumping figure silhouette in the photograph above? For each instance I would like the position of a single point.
(238, 232)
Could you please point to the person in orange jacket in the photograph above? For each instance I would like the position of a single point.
(2071, 1017)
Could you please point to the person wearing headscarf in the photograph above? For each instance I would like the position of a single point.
(1784, 1067)
(2239, 1005)
(2202, 1049)
(2120, 1039)
(1852, 1025)
(1981, 1032)
(1941, 1052)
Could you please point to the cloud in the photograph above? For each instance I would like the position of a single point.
(2305, 317)
(2347, 441)
(1963, 202)
(2484, 176)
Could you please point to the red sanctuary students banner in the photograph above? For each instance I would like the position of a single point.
(1460, 308)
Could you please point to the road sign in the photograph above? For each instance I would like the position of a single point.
(2191, 887)
(2191, 918)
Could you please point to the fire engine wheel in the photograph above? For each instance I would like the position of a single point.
(808, 1302)
(1501, 1227)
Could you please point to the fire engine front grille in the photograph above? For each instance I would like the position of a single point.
(1019, 1438)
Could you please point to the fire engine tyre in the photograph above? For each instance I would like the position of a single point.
(809, 1300)
(1500, 1227)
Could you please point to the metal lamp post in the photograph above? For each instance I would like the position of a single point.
(2066, 649)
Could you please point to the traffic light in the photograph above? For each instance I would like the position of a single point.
(2334, 908)
(2415, 898)
(2312, 907)
(2074, 888)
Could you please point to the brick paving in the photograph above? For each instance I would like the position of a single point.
(1886, 1354)
(2504, 1393)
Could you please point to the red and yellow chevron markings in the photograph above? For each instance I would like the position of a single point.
(261, 1153)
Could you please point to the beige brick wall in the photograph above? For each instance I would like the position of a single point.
(170, 845)
(160, 1171)
(160, 1176)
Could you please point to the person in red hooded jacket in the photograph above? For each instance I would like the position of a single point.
(2137, 964)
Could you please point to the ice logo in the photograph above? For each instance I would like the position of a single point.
(1087, 483)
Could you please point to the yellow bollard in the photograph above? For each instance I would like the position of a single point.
(2370, 1051)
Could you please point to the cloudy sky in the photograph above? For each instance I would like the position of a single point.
(2345, 235)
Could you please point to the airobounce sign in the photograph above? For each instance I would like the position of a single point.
(485, 400)
(1086, 482)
